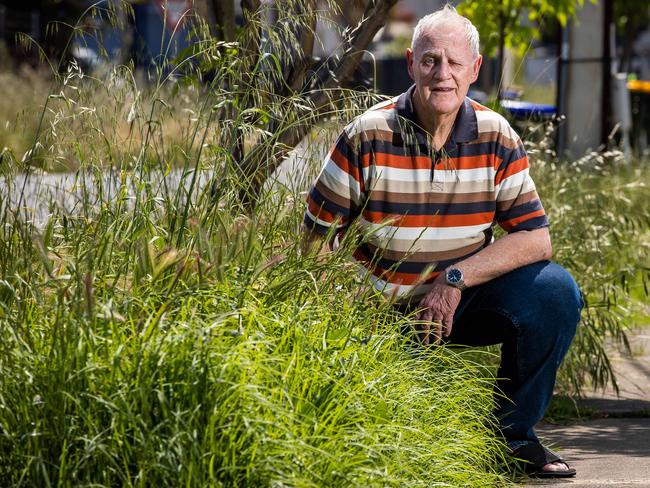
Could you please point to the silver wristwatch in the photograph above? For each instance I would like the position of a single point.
(454, 277)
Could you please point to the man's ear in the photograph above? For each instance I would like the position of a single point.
(477, 67)
(409, 62)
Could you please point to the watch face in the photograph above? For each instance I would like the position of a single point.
(455, 278)
(454, 275)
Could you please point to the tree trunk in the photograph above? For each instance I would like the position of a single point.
(250, 49)
(224, 19)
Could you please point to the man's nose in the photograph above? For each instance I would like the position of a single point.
(442, 71)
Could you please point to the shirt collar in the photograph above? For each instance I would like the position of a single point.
(465, 126)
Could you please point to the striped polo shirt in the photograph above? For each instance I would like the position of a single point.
(422, 210)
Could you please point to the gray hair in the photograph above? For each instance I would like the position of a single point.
(447, 14)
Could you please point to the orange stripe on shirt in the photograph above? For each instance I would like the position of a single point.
(343, 163)
(320, 213)
(470, 162)
(430, 220)
(387, 107)
(395, 161)
(411, 279)
(394, 277)
(424, 162)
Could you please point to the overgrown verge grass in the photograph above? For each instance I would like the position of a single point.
(126, 360)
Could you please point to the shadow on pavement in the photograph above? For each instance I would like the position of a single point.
(602, 437)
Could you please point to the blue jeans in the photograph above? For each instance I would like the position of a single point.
(533, 312)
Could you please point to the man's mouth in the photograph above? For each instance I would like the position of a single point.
(442, 89)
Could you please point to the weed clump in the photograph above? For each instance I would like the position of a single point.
(128, 360)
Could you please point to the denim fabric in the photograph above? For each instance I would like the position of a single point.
(533, 312)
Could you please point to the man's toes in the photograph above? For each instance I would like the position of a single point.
(556, 466)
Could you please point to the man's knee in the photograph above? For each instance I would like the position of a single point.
(554, 297)
(556, 287)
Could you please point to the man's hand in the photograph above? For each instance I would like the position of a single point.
(437, 315)
(312, 240)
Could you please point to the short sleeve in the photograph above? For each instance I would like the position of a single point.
(518, 204)
(338, 192)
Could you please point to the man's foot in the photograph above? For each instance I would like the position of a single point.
(556, 466)
(541, 462)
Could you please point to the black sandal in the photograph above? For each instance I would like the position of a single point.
(535, 457)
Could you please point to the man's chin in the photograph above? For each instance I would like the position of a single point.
(443, 108)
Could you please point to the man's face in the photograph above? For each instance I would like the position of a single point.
(442, 67)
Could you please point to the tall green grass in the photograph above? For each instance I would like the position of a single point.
(170, 336)
(127, 360)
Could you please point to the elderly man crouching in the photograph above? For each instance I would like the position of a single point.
(427, 175)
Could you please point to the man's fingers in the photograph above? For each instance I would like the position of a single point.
(438, 307)
(431, 326)
(426, 316)
(422, 312)
(423, 330)
(448, 323)
(437, 330)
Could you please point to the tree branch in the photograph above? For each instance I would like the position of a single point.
(304, 61)
(374, 18)
(269, 152)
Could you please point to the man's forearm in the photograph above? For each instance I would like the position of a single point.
(505, 254)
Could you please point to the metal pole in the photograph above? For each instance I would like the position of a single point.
(606, 99)
(561, 102)
(35, 24)
(3, 15)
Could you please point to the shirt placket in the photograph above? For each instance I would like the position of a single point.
(435, 185)
(434, 155)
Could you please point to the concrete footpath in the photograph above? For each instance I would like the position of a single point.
(611, 450)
